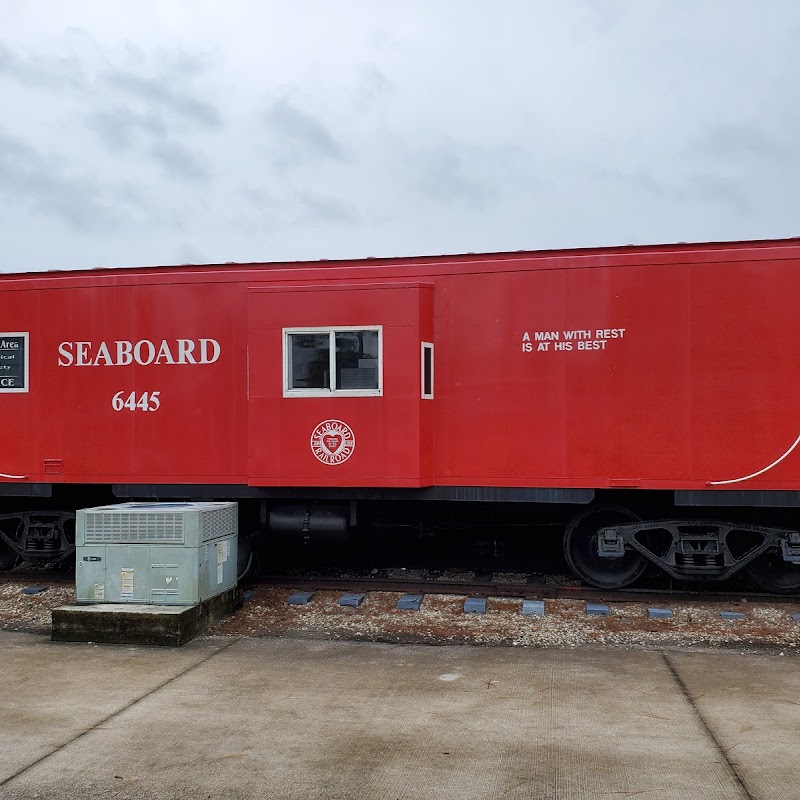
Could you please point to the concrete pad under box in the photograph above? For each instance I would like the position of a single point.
(123, 623)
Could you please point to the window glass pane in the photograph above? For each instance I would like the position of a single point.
(309, 361)
(357, 360)
(427, 371)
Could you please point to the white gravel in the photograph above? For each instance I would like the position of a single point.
(441, 620)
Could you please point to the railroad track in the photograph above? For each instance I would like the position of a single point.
(473, 588)
(540, 591)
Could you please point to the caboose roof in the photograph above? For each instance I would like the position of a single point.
(415, 266)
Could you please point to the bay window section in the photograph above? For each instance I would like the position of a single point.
(323, 361)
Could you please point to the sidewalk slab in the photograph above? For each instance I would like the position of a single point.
(51, 693)
(751, 703)
(318, 719)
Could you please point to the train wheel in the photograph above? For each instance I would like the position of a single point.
(772, 574)
(580, 549)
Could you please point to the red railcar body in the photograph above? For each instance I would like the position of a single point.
(659, 367)
(653, 367)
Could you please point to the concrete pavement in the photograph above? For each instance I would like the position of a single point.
(289, 718)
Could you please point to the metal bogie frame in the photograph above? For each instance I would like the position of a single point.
(37, 535)
(699, 549)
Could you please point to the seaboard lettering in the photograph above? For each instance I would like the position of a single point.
(122, 353)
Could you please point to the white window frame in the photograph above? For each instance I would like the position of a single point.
(423, 394)
(26, 366)
(333, 391)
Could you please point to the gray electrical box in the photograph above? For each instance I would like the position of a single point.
(165, 553)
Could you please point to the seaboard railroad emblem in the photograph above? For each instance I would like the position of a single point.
(333, 442)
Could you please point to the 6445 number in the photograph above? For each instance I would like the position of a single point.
(149, 401)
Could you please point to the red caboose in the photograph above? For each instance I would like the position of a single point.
(641, 386)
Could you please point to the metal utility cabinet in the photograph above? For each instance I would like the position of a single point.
(165, 553)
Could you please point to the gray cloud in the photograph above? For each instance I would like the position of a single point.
(722, 191)
(40, 71)
(737, 140)
(637, 180)
(289, 208)
(374, 87)
(159, 94)
(50, 187)
(179, 162)
(152, 122)
(600, 16)
(120, 127)
(318, 208)
(302, 135)
(452, 174)
(146, 134)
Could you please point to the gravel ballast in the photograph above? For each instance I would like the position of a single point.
(441, 620)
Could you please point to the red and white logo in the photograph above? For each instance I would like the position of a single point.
(333, 442)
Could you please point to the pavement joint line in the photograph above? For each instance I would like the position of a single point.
(723, 752)
(131, 704)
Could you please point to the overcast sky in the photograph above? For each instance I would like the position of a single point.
(173, 132)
